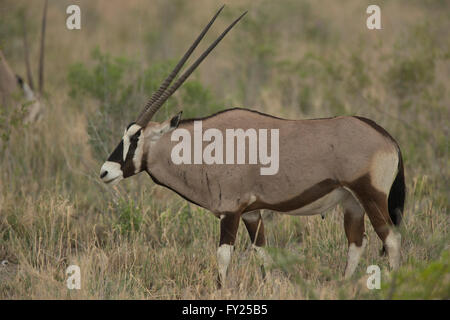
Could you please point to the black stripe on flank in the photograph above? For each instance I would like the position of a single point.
(307, 197)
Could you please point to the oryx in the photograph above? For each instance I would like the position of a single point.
(322, 162)
(11, 83)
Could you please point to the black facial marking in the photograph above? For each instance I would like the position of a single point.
(117, 155)
(135, 137)
(127, 165)
(128, 168)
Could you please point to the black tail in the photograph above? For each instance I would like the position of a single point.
(396, 200)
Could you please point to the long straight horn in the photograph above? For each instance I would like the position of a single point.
(27, 52)
(147, 116)
(178, 67)
(42, 49)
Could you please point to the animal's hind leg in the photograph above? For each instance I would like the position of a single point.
(376, 205)
(377, 210)
(255, 227)
(354, 230)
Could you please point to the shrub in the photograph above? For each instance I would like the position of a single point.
(410, 76)
(426, 281)
(116, 84)
(130, 217)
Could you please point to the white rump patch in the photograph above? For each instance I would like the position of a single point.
(383, 170)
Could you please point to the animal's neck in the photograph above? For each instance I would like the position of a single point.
(174, 177)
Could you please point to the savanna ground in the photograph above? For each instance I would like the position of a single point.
(295, 59)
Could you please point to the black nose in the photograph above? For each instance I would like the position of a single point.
(103, 174)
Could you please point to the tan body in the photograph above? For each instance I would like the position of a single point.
(316, 157)
(323, 162)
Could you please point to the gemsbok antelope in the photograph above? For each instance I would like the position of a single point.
(11, 83)
(322, 162)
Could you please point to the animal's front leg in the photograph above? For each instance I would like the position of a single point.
(229, 224)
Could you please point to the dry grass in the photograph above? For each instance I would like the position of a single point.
(293, 58)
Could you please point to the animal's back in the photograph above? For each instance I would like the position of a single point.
(312, 153)
(315, 149)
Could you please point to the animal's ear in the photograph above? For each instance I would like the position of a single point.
(175, 120)
(166, 126)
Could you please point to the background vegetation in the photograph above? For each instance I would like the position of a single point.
(290, 58)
